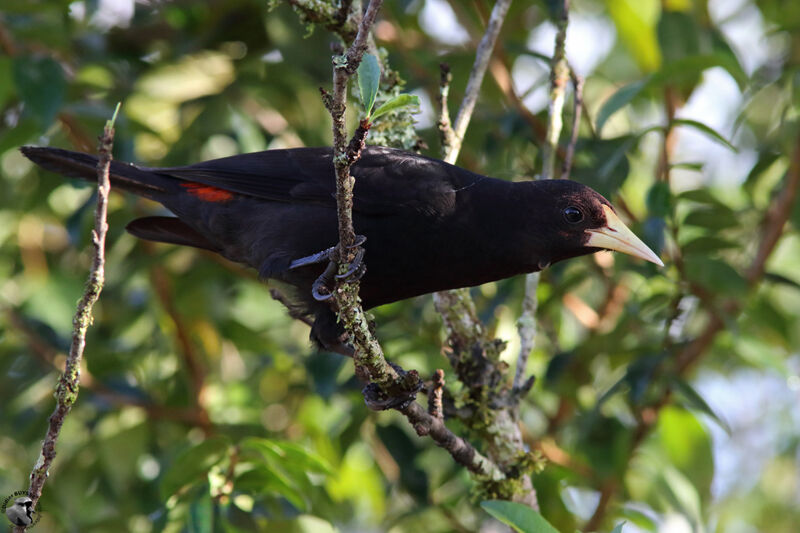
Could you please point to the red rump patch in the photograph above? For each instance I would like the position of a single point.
(207, 193)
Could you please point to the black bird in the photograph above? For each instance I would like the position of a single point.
(429, 225)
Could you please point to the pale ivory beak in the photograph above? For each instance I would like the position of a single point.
(616, 236)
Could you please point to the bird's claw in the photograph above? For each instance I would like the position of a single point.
(324, 281)
(356, 269)
(321, 288)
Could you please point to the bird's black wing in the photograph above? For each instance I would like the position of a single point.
(387, 180)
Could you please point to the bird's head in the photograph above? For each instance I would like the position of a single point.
(585, 222)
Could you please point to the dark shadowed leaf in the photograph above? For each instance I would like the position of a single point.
(659, 199)
(706, 244)
(603, 163)
(40, 82)
(521, 517)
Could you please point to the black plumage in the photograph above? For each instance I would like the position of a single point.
(429, 225)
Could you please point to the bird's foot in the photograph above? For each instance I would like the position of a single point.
(322, 288)
(397, 396)
(324, 255)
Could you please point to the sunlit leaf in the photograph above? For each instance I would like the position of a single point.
(617, 101)
(635, 22)
(369, 78)
(521, 517)
(399, 101)
(702, 128)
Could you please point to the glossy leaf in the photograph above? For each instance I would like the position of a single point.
(520, 517)
(369, 78)
(398, 102)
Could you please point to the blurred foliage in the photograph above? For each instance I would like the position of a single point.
(203, 406)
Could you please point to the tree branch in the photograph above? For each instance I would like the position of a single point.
(69, 383)
(389, 385)
(482, 56)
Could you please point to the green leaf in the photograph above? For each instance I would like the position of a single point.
(659, 199)
(618, 100)
(689, 457)
(701, 196)
(782, 280)
(702, 128)
(41, 84)
(636, 25)
(602, 164)
(521, 517)
(716, 218)
(715, 274)
(706, 244)
(369, 77)
(698, 403)
(688, 165)
(201, 514)
(193, 464)
(264, 480)
(618, 528)
(399, 101)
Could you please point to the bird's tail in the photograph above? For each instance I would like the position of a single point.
(126, 176)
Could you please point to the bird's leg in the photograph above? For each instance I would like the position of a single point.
(324, 255)
(324, 281)
(321, 289)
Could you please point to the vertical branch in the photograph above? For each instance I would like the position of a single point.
(68, 385)
(482, 56)
(559, 77)
(577, 86)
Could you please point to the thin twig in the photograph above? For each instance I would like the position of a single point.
(446, 133)
(482, 56)
(577, 85)
(559, 75)
(435, 395)
(69, 383)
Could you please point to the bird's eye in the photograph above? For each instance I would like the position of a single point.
(573, 215)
